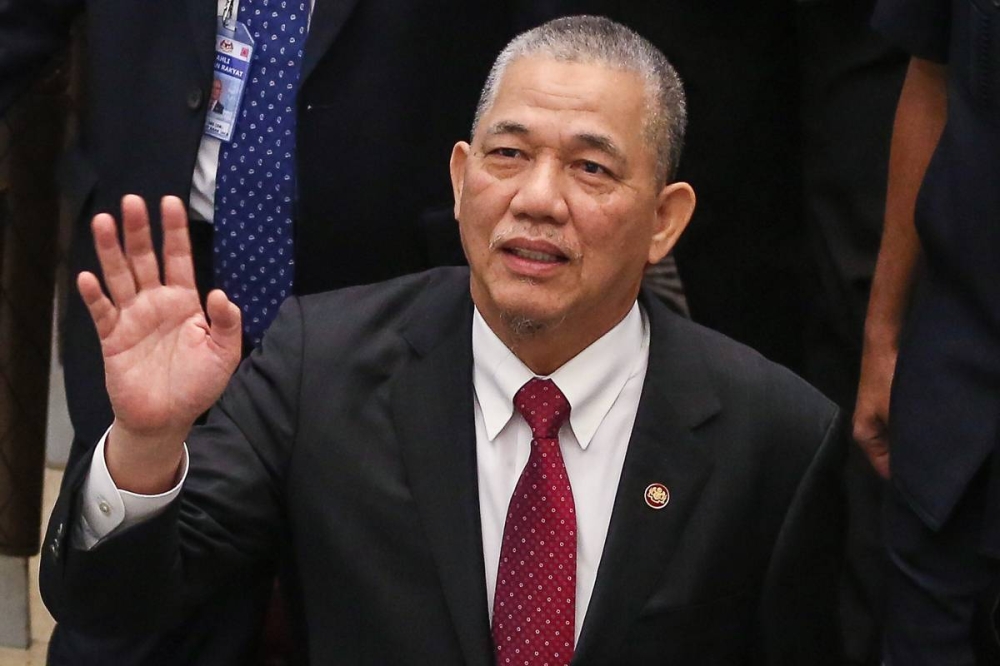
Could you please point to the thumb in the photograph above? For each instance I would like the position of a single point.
(224, 322)
(878, 455)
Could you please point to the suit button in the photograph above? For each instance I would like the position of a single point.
(194, 99)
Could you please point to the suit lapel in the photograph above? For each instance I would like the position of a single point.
(202, 15)
(329, 16)
(432, 407)
(676, 397)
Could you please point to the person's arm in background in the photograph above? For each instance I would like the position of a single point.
(31, 31)
(920, 119)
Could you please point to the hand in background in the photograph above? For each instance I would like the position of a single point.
(871, 412)
(920, 118)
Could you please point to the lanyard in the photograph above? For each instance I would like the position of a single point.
(230, 9)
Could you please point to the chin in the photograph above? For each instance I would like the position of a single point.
(523, 327)
(524, 321)
(525, 306)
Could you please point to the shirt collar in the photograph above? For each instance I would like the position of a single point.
(591, 380)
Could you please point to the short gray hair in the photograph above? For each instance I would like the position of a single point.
(598, 40)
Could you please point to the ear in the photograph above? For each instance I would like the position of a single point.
(459, 156)
(675, 205)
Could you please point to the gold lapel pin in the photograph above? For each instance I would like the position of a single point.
(657, 496)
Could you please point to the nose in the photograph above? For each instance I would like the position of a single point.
(539, 195)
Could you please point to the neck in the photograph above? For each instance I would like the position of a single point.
(545, 346)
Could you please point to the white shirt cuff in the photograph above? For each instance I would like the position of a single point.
(104, 509)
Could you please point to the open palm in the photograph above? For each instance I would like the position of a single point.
(164, 363)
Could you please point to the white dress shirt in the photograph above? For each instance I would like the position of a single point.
(603, 384)
(106, 509)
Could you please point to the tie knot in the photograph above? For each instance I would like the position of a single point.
(543, 406)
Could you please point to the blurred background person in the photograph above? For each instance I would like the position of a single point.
(932, 336)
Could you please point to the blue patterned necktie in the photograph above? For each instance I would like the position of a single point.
(255, 183)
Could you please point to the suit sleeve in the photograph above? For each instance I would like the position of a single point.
(31, 31)
(920, 27)
(227, 527)
(799, 603)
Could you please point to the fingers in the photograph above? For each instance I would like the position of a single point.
(101, 309)
(137, 267)
(225, 322)
(116, 270)
(138, 242)
(877, 451)
(881, 465)
(178, 266)
(872, 435)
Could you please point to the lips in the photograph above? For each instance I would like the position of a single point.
(534, 255)
(534, 250)
(533, 258)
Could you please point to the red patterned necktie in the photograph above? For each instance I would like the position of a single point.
(534, 609)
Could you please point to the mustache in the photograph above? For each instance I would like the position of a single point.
(534, 232)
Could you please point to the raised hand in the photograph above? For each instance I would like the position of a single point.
(165, 363)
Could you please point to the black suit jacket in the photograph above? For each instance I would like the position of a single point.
(346, 451)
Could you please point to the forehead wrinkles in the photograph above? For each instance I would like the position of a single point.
(558, 97)
(550, 85)
(588, 130)
(526, 119)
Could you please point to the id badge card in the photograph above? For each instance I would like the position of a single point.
(233, 54)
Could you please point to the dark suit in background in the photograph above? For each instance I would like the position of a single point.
(363, 481)
(850, 81)
(942, 518)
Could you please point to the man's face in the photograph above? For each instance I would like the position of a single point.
(216, 90)
(557, 200)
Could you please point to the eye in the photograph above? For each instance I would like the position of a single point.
(510, 153)
(595, 169)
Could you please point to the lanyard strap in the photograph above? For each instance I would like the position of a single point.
(230, 9)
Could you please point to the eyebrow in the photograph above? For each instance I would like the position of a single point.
(602, 143)
(507, 127)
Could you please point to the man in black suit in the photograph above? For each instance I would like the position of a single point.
(370, 446)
